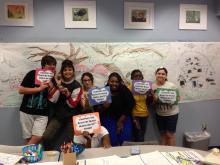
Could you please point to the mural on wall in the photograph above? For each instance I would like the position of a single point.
(193, 66)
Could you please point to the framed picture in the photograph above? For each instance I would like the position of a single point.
(138, 15)
(16, 13)
(193, 17)
(80, 14)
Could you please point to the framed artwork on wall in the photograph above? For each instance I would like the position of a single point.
(79, 14)
(193, 16)
(16, 13)
(138, 15)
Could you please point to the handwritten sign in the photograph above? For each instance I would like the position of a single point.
(89, 122)
(42, 75)
(140, 87)
(99, 96)
(168, 96)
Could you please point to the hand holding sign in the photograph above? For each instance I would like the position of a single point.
(140, 87)
(99, 96)
(169, 96)
(43, 75)
(89, 122)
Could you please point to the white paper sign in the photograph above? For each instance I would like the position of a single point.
(141, 86)
(89, 122)
(168, 96)
(43, 75)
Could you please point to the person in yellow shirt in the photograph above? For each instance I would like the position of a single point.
(140, 111)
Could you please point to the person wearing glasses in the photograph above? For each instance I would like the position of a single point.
(166, 114)
(87, 81)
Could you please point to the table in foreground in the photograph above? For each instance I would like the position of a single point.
(123, 151)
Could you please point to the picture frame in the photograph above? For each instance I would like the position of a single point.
(138, 15)
(19, 13)
(79, 14)
(193, 16)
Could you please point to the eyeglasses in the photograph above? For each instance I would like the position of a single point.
(87, 80)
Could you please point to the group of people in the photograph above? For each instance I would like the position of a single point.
(124, 119)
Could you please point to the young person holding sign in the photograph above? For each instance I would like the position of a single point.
(87, 83)
(34, 107)
(65, 93)
(89, 132)
(166, 99)
(116, 116)
(140, 112)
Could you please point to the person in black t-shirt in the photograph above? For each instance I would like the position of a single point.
(34, 106)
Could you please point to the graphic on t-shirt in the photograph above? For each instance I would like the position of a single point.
(37, 101)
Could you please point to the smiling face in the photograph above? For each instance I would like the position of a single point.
(68, 73)
(113, 83)
(161, 76)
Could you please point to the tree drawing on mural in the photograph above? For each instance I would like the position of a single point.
(73, 53)
(194, 67)
(101, 68)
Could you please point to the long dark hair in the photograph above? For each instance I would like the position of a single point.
(115, 74)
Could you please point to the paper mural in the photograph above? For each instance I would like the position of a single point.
(192, 66)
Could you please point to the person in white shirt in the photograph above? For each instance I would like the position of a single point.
(166, 114)
(94, 140)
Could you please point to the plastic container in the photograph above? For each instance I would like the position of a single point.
(77, 148)
(32, 153)
(197, 140)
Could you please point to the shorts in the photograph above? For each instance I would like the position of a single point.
(32, 124)
(167, 123)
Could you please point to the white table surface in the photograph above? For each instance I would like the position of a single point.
(125, 151)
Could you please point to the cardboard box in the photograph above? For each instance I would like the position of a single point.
(69, 159)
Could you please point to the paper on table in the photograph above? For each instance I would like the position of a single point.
(9, 159)
(179, 157)
(212, 159)
(153, 158)
(109, 160)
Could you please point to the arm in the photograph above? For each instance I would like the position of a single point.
(53, 92)
(106, 141)
(74, 98)
(28, 84)
(128, 100)
(84, 139)
(28, 90)
(88, 139)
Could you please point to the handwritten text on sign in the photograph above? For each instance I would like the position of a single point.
(99, 96)
(43, 75)
(140, 87)
(169, 96)
(89, 122)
